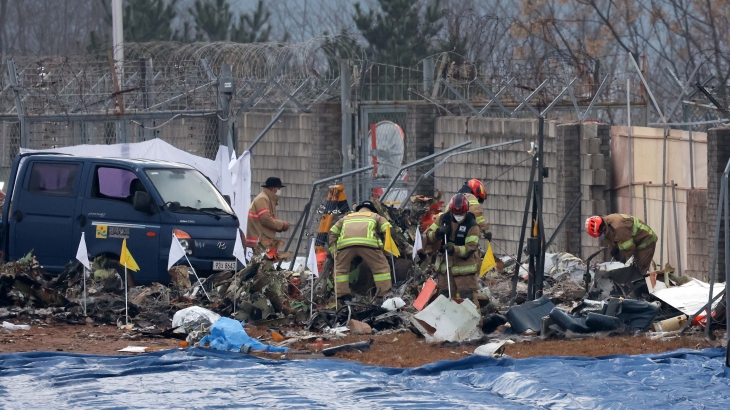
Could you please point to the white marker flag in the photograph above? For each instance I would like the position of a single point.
(238, 251)
(176, 252)
(417, 244)
(82, 255)
(312, 261)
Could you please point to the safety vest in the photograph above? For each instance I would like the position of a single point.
(638, 225)
(359, 228)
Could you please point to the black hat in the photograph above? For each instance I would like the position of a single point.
(273, 182)
(367, 204)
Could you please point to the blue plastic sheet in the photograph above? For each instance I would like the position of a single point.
(197, 378)
(228, 334)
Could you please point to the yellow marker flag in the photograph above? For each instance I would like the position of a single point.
(126, 259)
(488, 263)
(390, 245)
(534, 228)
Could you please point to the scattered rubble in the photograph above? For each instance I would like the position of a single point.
(578, 301)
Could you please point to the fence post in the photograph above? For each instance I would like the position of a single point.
(347, 146)
(12, 74)
(428, 64)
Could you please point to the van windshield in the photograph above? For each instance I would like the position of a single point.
(188, 187)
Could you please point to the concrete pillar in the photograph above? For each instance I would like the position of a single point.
(718, 154)
(568, 186)
(420, 122)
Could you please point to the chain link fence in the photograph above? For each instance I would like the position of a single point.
(196, 135)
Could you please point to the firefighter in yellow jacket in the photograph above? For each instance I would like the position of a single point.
(461, 229)
(356, 234)
(627, 234)
(262, 223)
(476, 194)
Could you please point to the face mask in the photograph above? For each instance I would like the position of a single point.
(459, 218)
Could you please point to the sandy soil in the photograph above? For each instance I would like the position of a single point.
(394, 350)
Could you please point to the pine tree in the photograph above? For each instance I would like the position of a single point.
(212, 18)
(399, 34)
(252, 28)
(143, 20)
(149, 20)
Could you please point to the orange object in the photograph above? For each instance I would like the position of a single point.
(272, 253)
(428, 290)
(321, 258)
(278, 337)
(183, 343)
(180, 234)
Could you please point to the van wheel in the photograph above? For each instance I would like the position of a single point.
(112, 262)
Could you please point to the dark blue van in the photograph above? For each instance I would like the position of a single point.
(52, 198)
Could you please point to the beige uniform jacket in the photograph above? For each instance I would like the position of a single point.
(262, 222)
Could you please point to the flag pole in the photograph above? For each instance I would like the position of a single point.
(448, 276)
(126, 307)
(235, 287)
(311, 297)
(197, 277)
(84, 273)
(395, 279)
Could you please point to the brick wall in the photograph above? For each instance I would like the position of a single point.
(419, 143)
(583, 166)
(568, 185)
(595, 157)
(506, 196)
(718, 153)
(299, 149)
(698, 263)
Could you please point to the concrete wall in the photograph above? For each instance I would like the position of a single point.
(718, 154)
(583, 166)
(299, 149)
(420, 119)
(698, 264)
(505, 197)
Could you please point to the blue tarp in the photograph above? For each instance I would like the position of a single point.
(228, 334)
(197, 378)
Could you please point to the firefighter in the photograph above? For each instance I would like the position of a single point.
(476, 194)
(462, 246)
(356, 234)
(262, 223)
(627, 234)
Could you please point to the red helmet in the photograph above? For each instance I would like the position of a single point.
(478, 189)
(459, 205)
(593, 226)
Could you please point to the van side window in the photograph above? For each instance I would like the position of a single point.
(115, 183)
(56, 179)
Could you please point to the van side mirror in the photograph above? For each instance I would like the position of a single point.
(142, 202)
(227, 198)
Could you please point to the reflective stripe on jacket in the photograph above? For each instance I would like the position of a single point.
(465, 238)
(262, 223)
(628, 233)
(357, 229)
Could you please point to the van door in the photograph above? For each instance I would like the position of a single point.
(44, 218)
(111, 218)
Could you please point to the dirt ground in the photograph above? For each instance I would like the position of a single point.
(394, 350)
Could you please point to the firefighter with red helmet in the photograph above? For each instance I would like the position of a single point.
(461, 230)
(627, 234)
(476, 194)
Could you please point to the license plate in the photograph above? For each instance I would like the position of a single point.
(221, 265)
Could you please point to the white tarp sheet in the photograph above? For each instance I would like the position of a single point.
(155, 149)
(690, 297)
